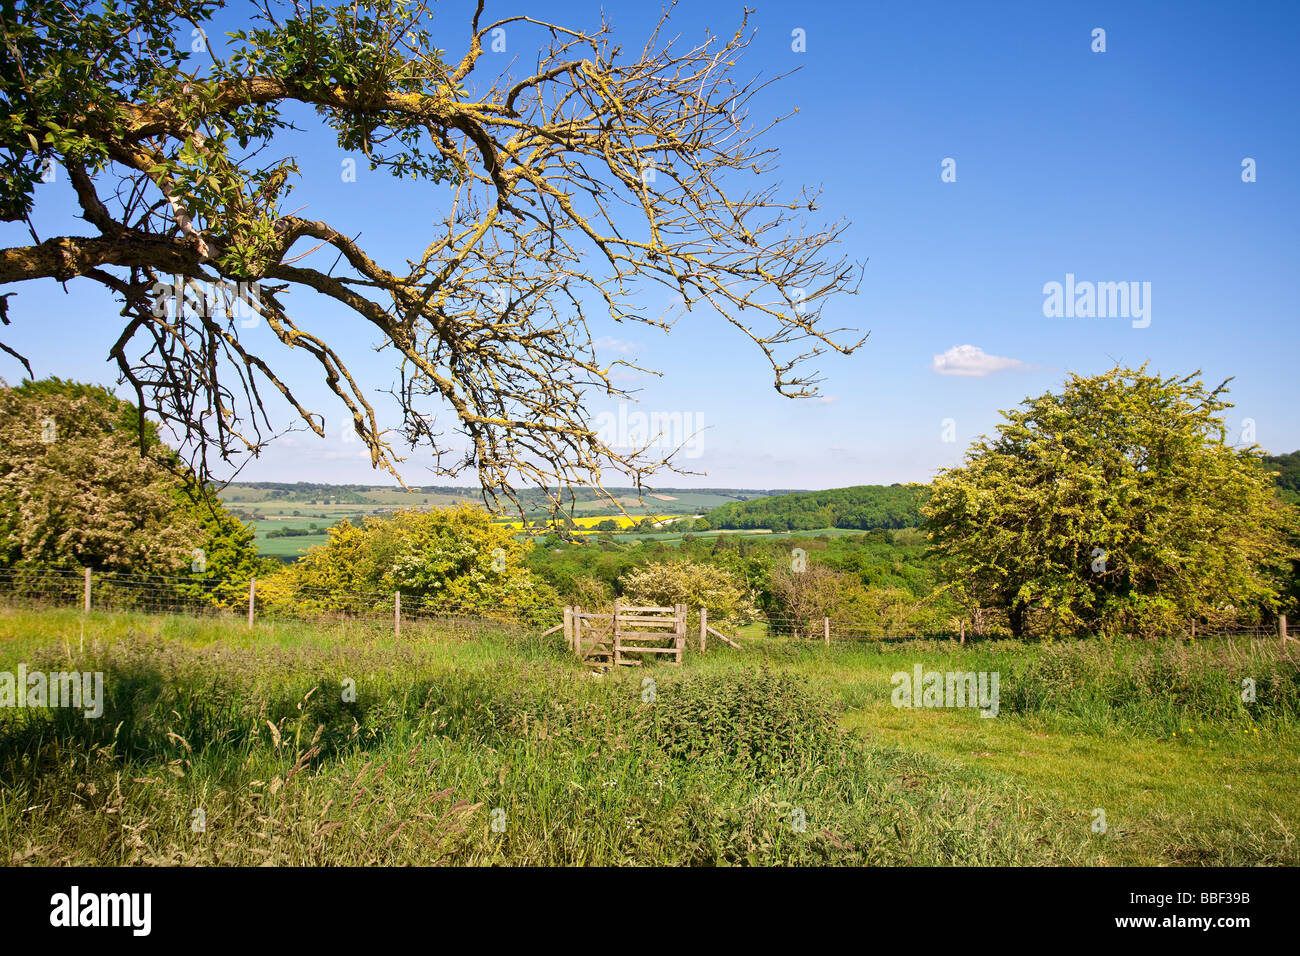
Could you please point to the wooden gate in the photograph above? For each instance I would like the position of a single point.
(603, 640)
(648, 630)
(590, 636)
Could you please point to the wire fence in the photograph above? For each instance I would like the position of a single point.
(253, 600)
(198, 595)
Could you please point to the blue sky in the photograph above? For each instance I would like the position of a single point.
(1122, 166)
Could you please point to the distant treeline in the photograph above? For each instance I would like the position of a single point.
(863, 507)
(1288, 466)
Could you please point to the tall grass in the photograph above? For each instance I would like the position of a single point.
(490, 751)
(1142, 687)
(1157, 688)
(224, 746)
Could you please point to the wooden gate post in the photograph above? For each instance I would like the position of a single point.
(826, 630)
(704, 628)
(85, 603)
(1281, 628)
(615, 626)
(252, 599)
(397, 615)
(568, 628)
(680, 631)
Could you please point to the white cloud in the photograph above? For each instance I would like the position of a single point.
(971, 360)
(606, 343)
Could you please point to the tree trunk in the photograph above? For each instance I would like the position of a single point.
(1016, 618)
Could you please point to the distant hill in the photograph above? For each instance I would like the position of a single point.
(264, 494)
(863, 507)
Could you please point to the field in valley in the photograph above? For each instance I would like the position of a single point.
(221, 745)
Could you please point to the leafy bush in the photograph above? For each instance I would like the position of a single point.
(81, 486)
(665, 583)
(759, 720)
(455, 557)
(1115, 507)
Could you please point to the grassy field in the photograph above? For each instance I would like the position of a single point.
(496, 747)
(289, 548)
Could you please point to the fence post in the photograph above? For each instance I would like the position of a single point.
(1281, 628)
(704, 628)
(85, 601)
(397, 615)
(679, 631)
(962, 625)
(252, 599)
(614, 625)
(826, 630)
(568, 627)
